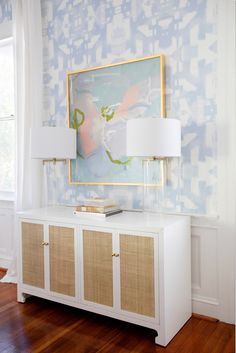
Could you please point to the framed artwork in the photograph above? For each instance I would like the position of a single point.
(100, 100)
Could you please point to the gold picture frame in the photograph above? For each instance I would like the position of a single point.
(99, 101)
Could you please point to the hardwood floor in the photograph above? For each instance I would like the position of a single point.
(43, 326)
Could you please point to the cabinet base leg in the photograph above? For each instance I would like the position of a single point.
(21, 297)
(160, 339)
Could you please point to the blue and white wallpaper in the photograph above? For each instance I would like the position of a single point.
(5, 11)
(78, 34)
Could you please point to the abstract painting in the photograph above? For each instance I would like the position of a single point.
(100, 101)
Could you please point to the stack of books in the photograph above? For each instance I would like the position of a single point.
(98, 207)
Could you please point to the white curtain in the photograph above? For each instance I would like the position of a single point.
(27, 32)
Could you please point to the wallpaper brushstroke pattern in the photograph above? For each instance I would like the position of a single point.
(80, 34)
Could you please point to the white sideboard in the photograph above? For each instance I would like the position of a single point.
(132, 266)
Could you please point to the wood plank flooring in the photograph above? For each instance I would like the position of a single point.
(43, 326)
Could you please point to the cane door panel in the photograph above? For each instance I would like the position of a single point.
(137, 274)
(98, 276)
(62, 260)
(32, 254)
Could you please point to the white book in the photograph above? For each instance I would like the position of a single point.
(97, 215)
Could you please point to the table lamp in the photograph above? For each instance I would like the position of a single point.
(52, 144)
(154, 140)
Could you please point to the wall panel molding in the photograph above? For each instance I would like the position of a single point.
(205, 262)
(196, 263)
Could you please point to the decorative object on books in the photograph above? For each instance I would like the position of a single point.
(98, 201)
(97, 207)
(161, 139)
(100, 102)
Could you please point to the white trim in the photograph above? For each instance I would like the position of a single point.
(202, 226)
(6, 204)
(206, 307)
(212, 217)
(46, 258)
(6, 30)
(7, 118)
(7, 196)
(5, 261)
(226, 108)
(116, 271)
(6, 41)
(205, 300)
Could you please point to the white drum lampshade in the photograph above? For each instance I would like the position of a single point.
(153, 137)
(53, 143)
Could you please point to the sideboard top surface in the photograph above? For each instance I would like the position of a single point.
(134, 220)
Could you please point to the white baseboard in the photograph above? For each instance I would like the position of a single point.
(5, 261)
(205, 306)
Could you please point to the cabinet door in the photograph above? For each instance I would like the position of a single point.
(97, 257)
(32, 254)
(62, 260)
(137, 274)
